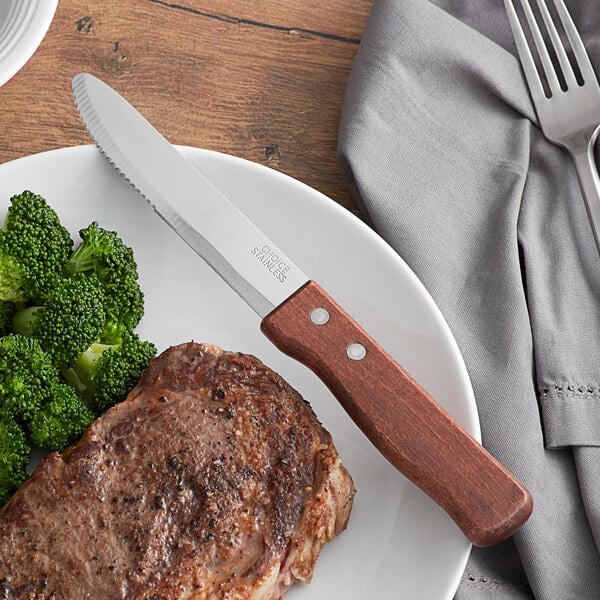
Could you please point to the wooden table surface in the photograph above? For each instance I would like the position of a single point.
(263, 80)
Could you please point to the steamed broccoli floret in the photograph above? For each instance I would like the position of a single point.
(14, 456)
(13, 285)
(27, 377)
(106, 373)
(61, 421)
(32, 394)
(34, 248)
(67, 347)
(103, 253)
(7, 312)
(69, 321)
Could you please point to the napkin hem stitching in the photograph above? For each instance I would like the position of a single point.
(570, 390)
(488, 583)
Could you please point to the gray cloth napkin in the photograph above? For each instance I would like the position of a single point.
(440, 145)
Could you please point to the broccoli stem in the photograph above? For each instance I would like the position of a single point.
(72, 379)
(24, 320)
(80, 374)
(81, 260)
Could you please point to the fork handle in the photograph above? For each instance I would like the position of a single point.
(587, 171)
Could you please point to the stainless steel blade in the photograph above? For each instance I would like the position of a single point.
(204, 218)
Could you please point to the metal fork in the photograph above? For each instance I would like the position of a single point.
(569, 117)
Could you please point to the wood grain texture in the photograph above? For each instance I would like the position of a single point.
(333, 20)
(401, 419)
(260, 80)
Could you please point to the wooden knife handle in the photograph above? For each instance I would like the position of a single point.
(401, 419)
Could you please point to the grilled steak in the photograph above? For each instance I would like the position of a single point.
(212, 480)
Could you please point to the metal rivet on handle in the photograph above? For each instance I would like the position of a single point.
(356, 351)
(319, 316)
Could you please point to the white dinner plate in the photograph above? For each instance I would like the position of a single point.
(399, 545)
(23, 25)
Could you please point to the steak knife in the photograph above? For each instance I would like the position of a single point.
(415, 433)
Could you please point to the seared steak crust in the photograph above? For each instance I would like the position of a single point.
(212, 480)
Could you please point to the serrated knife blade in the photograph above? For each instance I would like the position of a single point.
(401, 419)
(249, 262)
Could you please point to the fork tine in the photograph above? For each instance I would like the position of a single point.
(581, 55)
(563, 59)
(531, 74)
(538, 39)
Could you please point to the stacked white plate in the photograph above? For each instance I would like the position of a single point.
(23, 25)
